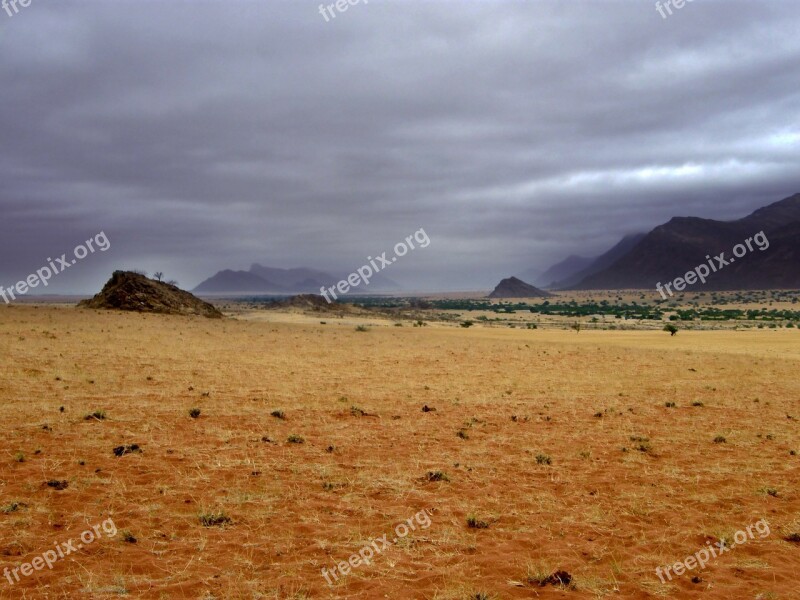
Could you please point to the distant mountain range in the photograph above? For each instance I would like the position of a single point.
(270, 280)
(678, 246)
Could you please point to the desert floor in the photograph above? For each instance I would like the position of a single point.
(632, 484)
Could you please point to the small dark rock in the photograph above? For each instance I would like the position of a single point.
(121, 450)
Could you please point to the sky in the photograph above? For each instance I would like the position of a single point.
(200, 136)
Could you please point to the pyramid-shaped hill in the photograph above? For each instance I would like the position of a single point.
(516, 288)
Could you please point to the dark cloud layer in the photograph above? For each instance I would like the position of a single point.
(205, 135)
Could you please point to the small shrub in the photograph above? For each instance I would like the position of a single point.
(194, 412)
(720, 439)
(542, 578)
(215, 519)
(466, 324)
(543, 459)
(58, 484)
(295, 439)
(330, 486)
(474, 523)
(362, 328)
(19, 457)
(12, 507)
(697, 403)
(436, 476)
(278, 414)
(128, 537)
(462, 433)
(670, 404)
(98, 415)
(357, 412)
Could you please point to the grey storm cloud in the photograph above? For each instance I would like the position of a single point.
(207, 135)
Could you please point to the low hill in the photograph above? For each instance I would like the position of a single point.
(516, 288)
(135, 292)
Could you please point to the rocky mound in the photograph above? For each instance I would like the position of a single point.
(132, 291)
(516, 288)
(313, 303)
(307, 302)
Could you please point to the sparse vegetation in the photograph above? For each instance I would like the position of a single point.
(128, 537)
(437, 476)
(358, 475)
(215, 519)
(474, 522)
(12, 507)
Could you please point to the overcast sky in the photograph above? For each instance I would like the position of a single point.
(208, 135)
